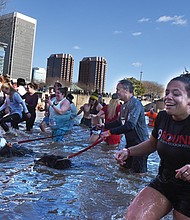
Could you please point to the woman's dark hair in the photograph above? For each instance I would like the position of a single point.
(127, 85)
(33, 85)
(63, 91)
(58, 84)
(185, 78)
(21, 82)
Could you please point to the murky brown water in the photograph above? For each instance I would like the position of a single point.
(93, 188)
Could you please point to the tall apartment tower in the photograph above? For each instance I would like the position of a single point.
(18, 32)
(60, 67)
(92, 74)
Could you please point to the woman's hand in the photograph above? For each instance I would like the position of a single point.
(105, 134)
(183, 173)
(122, 156)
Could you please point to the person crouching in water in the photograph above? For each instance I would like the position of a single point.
(59, 114)
(11, 150)
(16, 106)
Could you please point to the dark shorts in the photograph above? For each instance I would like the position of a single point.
(176, 191)
(86, 121)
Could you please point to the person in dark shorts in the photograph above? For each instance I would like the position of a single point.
(170, 189)
(132, 123)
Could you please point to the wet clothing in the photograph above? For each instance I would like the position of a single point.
(86, 121)
(15, 150)
(59, 123)
(132, 123)
(88, 109)
(16, 107)
(113, 138)
(174, 150)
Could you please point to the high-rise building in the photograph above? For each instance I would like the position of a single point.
(38, 75)
(60, 67)
(92, 74)
(18, 32)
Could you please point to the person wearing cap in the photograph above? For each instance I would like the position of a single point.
(89, 109)
(111, 113)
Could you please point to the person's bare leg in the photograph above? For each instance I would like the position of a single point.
(43, 126)
(149, 204)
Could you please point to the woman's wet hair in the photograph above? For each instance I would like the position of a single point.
(185, 78)
(127, 85)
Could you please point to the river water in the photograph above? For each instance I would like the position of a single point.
(93, 188)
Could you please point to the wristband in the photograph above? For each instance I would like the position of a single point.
(128, 151)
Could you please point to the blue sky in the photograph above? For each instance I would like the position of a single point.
(132, 35)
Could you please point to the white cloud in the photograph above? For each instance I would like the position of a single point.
(117, 32)
(143, 20)
(76, 47)
(176, 20)
(136, 33)
(137, 64)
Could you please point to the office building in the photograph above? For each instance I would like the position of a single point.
(60, 67)
(92, 74)
(38, 75)
(18, 32)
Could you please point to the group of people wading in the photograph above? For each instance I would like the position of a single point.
(170, 189)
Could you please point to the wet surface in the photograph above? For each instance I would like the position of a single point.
(94, 187)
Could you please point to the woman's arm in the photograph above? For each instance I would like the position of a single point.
(65, 106)
(4, 105)
(144, 148)
(80, 110)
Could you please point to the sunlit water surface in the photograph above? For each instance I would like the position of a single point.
(93, 188)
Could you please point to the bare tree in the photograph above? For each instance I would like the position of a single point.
(154, 89)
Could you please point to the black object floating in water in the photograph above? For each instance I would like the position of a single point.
(53, 161)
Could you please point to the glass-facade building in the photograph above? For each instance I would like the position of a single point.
(60, 67)
(38, 75)
(18, 32)
(92, 74)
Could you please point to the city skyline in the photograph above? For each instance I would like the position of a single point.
(148, 37)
